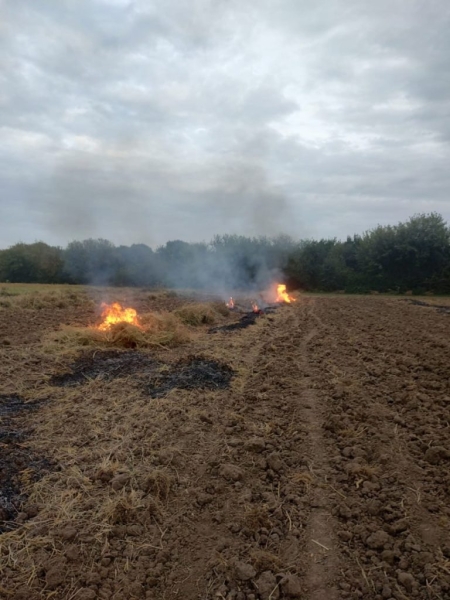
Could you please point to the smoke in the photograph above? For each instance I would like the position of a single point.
(236, 195)
(127, 199)
(226, 265)
(247, 199)
(225, 270)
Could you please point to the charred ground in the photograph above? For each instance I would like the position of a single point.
(306, 456)
(155, 377)
(19, 465)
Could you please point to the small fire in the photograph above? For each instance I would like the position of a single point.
(230, 303)
(114, 313)
(255, 307)
(282, 295)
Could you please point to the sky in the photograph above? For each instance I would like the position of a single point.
(143, 121)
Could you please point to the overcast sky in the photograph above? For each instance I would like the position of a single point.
(150, 120)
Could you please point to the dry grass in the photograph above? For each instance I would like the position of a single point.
(256, 517)
(101, 433)
(41, 296)
(97, 431)
(198, 314)
(16, 289)
(368, 471)
(158, 484)
(265, 561)
(353, 433)
(121, 508)
(35, 300)
(221, 308)
(303, 479)
(5, 292)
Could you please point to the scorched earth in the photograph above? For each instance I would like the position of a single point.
(305, 456)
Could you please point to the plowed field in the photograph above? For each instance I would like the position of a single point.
(306, 456)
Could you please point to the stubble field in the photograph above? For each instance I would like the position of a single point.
(305, 456)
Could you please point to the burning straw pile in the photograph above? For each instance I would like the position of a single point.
(122, 328)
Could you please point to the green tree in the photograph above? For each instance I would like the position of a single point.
(32, 263)
(91, 261)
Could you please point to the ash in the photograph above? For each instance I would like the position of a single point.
(193, 373)
(105, 365)
(245, 321)
(15, 459)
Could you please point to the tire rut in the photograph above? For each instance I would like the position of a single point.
(320, 538)
(312, 553)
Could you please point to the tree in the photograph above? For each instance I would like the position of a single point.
(32, 263)
(413, 255)
(91, 261)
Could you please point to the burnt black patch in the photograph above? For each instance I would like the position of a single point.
(17, 462)
(193, 373)
(244, 322)
(441, 308)
(11, 404)
(105, 365)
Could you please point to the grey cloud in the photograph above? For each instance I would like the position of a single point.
(143, 121)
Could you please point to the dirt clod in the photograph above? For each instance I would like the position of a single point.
(68, 534)
(378, 540)
(267, 586)
(436, 454)
(244, 571)
(386, 592)
(120, 481)
(55, 576)
(291, 586)
(255, 445)
(274, 462)
(406, 579)
(231, 472)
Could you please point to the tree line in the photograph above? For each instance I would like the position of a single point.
(412, 255)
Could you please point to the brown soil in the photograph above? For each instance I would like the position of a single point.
(316, 468)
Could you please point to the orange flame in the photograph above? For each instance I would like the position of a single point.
(114, 313)
(230, 303)
(282, 295)
(255, 307)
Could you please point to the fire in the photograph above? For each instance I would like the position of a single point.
(255, 307)
(282, 295)
(114, 313)
(230, 303)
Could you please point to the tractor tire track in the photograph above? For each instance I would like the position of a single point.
(321, 543)
(300, 420)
